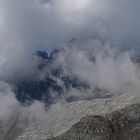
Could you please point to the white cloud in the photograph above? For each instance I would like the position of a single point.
(96, 24)
(25, 25)
(8, 102)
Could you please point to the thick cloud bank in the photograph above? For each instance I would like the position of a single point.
(25, 25)
(99, 39)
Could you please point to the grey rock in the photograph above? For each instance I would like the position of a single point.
(119, 125)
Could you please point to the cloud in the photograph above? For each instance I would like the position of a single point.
(25, 25)
(8, 102)
(107, 69)
(107, 21)
(57, 21)
(87, 29)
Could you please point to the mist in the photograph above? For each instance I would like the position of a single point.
(97, 41)
(26, 25)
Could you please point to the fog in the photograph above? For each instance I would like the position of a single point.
(107, 31)
(26, 25)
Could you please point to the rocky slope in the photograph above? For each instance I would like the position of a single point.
(60, 118)
(65, 119)
(120, 125)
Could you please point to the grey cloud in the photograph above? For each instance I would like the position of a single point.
(95, 24)
(25, 25)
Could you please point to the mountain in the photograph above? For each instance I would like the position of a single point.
(48, 79)
(104, 116)
(112, 118)
(123, 124)
(52, 77)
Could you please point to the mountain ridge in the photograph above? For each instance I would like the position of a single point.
(123, 124)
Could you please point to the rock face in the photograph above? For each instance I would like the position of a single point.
(119, 125)
(49, 78)
(117, 118)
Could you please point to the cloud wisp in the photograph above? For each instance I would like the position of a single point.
(99, 39)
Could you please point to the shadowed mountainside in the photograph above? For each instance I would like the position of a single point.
(47, 80)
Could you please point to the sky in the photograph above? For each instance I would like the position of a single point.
(106, 29)
(95, 24)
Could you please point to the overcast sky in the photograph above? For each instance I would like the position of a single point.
(102, 27)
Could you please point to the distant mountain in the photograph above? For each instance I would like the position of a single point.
(52, 78)
(46, 81)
